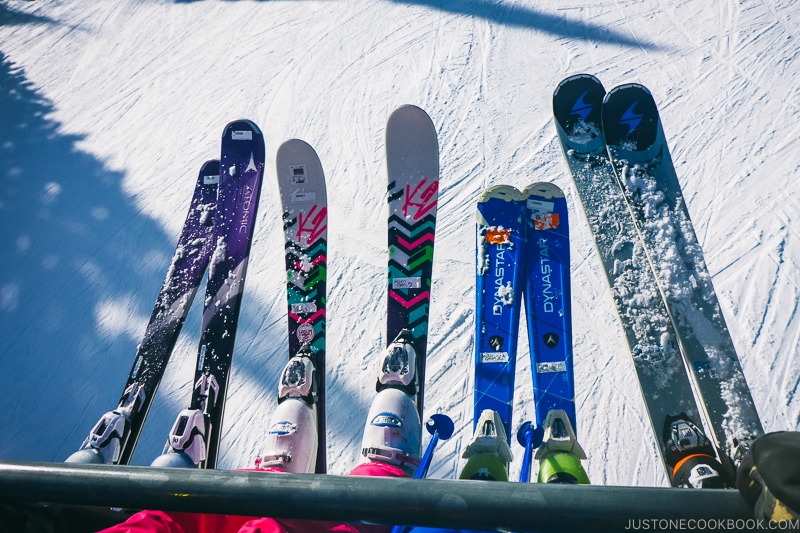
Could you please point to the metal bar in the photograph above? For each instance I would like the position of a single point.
(459, 504)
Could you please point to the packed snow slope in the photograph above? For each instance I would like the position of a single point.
(107, 113)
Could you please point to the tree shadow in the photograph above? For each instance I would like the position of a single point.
(80, 270)
(76, 251)
(9, 17)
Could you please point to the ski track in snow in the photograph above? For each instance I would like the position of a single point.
(106, 115)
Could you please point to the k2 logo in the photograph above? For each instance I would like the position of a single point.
(422, 198)
(313, 224)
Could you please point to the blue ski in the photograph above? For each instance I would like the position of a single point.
(501, 239)
(548, 301)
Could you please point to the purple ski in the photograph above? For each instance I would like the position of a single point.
(194, 439)
(114, 437)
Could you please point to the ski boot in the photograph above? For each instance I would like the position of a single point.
(560, 454)
(488, 453)
(292, 438)
(691, 456)
(186, 445)
(393, 432)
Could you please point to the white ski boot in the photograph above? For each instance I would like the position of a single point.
(393, 432)
(292, 439)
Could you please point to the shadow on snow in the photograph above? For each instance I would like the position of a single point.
(525, 17)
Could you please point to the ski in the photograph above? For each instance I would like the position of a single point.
(643, 167)
(412, 161)
(501, 241)
(301, 183)
(194, 439)
(650, 335)
(113, 439)
(548, 309)
(548, 301)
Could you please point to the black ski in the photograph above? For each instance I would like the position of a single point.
(113, 439)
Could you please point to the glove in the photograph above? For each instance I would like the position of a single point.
(769, 477)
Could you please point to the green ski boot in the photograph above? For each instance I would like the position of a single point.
(488, 454)
(560, 454)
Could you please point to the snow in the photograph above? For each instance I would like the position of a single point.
(106, 115)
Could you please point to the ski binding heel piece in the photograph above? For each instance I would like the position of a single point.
(188, 436)
(109, 433)
(298, 379)
(399, 366)
(490, 437)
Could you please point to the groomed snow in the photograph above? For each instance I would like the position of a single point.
(108, 111)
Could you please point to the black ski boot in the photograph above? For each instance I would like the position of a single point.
(691, 456)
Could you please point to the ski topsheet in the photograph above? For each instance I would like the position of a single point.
(640, 157)
(115, 436)
(301, 182)
(242, 168)
(412, 161)
(548, 305)
(194, 438)
(501, 240)
(648, 330)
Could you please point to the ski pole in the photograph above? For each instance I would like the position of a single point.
(440, 427)
(529, 437)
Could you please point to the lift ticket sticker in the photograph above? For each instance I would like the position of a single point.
(244, 135)
(304, 308)
(542, 214)
(304, 197)
(407, 283)
(498, 235)
(494, 357)
(297, 173)
(548, 368)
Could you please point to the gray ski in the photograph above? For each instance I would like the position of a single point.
(645, 321)
(642, 164)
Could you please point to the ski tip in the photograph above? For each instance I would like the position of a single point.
(409, 110)
(630, 117)
(410, 119)
(209, 174)
(583, 80)
(577, 109)
(242, 124)
(210, 165)
(628, 87)
(294, 155)
(507, 193)
(295, 144)
(544, 190)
